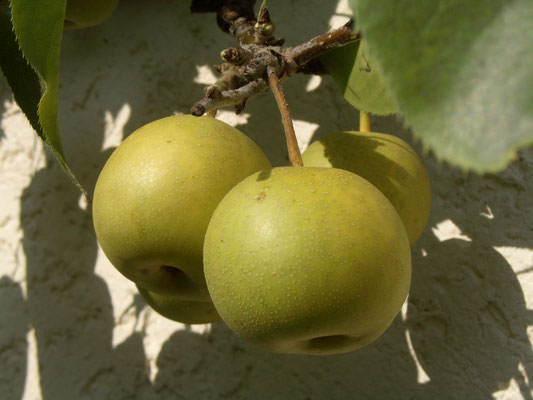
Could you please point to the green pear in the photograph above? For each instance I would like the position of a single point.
(86, 13)
(307, 260)
(387, 162)
(156, 193)
(187, 312)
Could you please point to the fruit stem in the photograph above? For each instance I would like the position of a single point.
(364, 121)
(295, 158)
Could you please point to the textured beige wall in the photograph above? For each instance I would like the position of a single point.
(72, 328)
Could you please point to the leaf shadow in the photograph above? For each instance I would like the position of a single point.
(5, 95)
(68, 305)
(467, 313)
(14, 327)
(467, 310)
(219, 365)
(393, 174)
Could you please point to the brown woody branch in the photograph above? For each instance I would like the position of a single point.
(229, 97)
(244, 74)
(321, 44)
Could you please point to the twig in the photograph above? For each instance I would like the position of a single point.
(230, 97)
(295, 157)
(293, 59)
(321, 44)
(244, 73)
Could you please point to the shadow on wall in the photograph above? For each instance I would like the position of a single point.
(467, 319)
(13, 343)
(467, 311)
(69, 306)
(467, 316)
(5, 95)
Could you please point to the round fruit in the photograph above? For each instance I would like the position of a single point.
(388, 163)
(86, 13)
(187, 312)
(155, 195)
(307, 260)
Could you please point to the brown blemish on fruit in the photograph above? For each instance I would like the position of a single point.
(261, 197)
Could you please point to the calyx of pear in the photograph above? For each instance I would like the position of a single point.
(153, 201)
(387, 162)
(307, 260)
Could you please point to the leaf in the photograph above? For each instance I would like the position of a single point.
(360, 79)
(460, 72)
(38, 26)
(22, 79)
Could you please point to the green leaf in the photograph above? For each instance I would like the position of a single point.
(460, 72)
(38, 26)
(22, 79)
(360, 79)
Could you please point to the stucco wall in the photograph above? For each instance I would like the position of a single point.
(71, 327)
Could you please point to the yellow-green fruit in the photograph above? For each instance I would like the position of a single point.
(156, 193)
(388, 163)
(187, 312)
(307, 260)
(86, 13)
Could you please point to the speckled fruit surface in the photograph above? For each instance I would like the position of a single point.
(388, 163)
(307, 260)
(155, 196)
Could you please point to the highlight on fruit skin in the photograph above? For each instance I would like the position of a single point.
(387, 162)
(87, 13)
(155, 196)
(307, 260)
